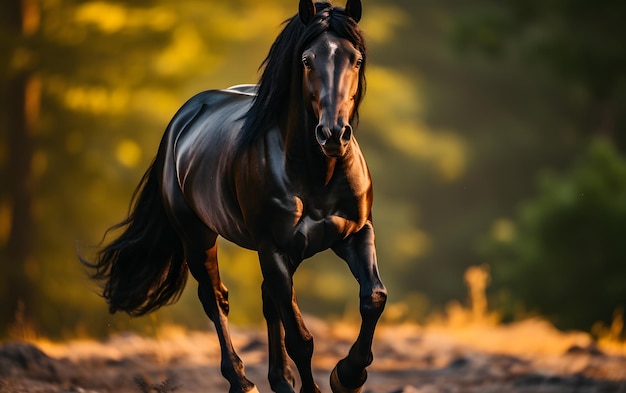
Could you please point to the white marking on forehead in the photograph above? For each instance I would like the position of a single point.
(333, 48)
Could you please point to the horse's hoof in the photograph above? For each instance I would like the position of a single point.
(337, 387)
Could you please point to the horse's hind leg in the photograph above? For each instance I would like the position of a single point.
(214, 297)
(200, 246)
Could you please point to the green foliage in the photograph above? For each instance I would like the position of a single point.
(579, 40)
(566, 258)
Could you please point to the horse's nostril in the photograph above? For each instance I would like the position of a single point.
(322, 134)
(347, 133)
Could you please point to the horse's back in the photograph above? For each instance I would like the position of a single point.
(203, 142)
(213, 118)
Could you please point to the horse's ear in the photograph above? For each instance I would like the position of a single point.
(354, 9)
(306, 11)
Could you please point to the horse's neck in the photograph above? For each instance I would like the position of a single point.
(310, 168)
(303, 158)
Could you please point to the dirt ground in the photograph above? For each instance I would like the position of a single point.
(522, 358)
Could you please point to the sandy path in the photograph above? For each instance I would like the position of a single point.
(521, 358)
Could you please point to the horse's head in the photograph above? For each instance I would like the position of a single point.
(332, 67)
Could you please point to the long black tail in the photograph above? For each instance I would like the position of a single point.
(144, 268)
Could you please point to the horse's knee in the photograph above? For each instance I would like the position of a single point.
(373, 304)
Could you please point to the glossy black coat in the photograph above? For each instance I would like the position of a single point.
(274, 168)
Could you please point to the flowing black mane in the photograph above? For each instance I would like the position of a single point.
(282, 68)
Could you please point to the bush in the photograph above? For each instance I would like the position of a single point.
(567, 256)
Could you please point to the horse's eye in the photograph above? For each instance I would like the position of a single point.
(306, 63)
(359, 62)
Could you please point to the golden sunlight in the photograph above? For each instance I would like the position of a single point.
(111, 18)
(156, 18)
(97, 99)
(159, 104)
(183, 51)
(108, 17)
(128, 153)
(612, 338)
(381, 28)
(244, 23)
(477, 278)
(397, 113)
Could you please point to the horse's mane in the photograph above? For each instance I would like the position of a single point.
(282, 68)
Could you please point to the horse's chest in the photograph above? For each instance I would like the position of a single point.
(309, 227)
(317, 209)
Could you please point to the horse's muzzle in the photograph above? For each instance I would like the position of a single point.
(334, 140)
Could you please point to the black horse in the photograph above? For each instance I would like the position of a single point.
(275, 168)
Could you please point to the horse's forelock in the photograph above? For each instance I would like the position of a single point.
(335, 20)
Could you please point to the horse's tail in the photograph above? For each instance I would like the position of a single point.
(144, 268)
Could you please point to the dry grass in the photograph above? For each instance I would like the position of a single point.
(475, 326)
(470, 336)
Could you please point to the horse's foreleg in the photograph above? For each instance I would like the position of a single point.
(214, 297)
(279, 375)
(359, 252)
(278, 289)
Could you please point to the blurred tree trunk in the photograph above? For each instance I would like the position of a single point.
(21, 102)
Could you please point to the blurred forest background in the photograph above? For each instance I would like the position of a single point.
(494, 131)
